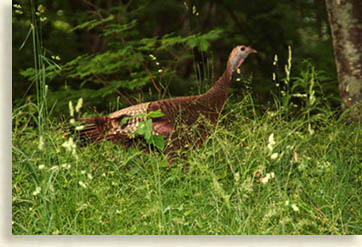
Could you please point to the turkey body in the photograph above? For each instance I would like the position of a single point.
(186, 120)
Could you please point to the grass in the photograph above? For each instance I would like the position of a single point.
(256, 174)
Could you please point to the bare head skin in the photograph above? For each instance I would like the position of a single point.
(237, 57)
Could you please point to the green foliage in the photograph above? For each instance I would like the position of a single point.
(125, 57)
(256, 174)
(309, 93)
(89, 25)
(103, 49)
(145, 128)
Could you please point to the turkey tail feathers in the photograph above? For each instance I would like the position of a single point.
(91, 129)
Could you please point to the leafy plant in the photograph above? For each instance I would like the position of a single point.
(256, 174)
(145, 128)
(129, 66)
(306, 94)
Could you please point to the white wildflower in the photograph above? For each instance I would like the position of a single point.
(187, 7)
(83, 206)
(160, 71)
(265, 179)
(274, 156)
(294, 207)
(53, 168)
(79, 127)
(270, 147)
(69, 145)
(41, 167)
(71, 108)
(286, 202)
(289, 56)
(296, 157)
(299, 95)
(37, 191)
(271, 113)
(55, 58)
(65, 166)
(271, 139)
(82, 184)
(79, 105)
(275, 59)
(236, 176)
(41, 8)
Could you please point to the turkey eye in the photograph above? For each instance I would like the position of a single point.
(242, 48)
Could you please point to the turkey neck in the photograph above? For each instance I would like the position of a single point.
(216, 96)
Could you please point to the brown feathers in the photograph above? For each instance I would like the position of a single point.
(181, 124)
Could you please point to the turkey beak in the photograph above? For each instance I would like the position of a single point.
(252, 50)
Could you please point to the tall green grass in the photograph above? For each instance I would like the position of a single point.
(254, 175)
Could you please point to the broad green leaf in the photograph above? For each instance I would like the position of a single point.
(204, 45)
(156, 114)
(158, 141)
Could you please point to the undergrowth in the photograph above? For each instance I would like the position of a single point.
(254, 175)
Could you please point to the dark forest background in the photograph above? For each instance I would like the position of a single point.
(117, 53)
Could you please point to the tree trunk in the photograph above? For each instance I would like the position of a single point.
(345, 20)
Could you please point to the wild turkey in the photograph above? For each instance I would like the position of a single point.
(181, 114)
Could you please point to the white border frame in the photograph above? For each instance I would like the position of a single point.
(6, 238)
